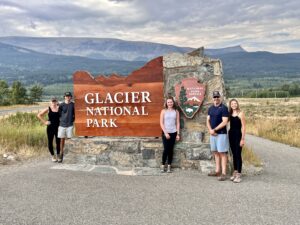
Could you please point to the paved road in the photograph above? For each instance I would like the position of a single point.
(4, 112)
(36, 194)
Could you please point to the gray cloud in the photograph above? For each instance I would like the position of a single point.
(254, 24)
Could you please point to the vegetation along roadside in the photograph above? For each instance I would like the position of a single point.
(22, 136)
(277, 119)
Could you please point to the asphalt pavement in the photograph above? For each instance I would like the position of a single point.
(38, 193)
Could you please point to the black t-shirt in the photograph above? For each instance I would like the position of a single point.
(67, 114)
(216, 113)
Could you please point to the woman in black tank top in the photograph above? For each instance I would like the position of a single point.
(236, 138)
(52, 126)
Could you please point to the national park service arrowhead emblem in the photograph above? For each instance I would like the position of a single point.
(189, 95)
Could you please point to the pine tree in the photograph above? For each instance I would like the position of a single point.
(182, 96)
(18, 93)
(4, 93)
(35, 94)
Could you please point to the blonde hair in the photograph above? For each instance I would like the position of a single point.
(238, 106)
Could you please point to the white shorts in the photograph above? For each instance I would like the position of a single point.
(65, 132)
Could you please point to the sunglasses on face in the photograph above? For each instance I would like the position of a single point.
(216, 97)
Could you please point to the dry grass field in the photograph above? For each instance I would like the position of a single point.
(274, 119)
(22, 135)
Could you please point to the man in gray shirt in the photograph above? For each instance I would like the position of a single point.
(67, 117)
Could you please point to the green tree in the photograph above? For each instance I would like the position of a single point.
(285, 87)
(35, 93)
(294, 89)
(257, 85)
(4, 93)
(18, 93)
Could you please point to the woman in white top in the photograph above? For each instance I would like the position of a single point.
(169, 123)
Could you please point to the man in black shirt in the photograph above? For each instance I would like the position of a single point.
(67, 117)
(217, 120)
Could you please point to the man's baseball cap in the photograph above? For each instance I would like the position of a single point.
(68, 94)
(216, 94)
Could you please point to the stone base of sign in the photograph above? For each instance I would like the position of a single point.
(135, 152)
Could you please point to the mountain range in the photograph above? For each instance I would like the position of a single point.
(95, 48)
(52, 60)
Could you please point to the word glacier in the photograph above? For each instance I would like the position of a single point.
(119, 97)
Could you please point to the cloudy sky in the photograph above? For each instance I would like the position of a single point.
(257, 25)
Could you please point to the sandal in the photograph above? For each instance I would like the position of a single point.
(222, 177)
(214, 174)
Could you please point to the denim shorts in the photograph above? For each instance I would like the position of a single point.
(65, 132)
(219, 143)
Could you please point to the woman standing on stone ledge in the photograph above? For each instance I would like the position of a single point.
(236, 138)
(169, 123)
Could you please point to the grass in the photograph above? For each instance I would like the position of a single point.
(23, 135)
(250, 158)
(274, 119)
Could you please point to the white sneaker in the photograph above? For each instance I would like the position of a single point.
(169, 169)
(238, 178)
(162, 168)
(54, 159)
(233, 176)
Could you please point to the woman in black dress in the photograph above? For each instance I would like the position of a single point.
(236, 138)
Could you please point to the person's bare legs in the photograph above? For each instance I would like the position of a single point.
(223, 157)
(218, 161)
(62, 145)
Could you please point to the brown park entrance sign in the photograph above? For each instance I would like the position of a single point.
(190, 95)
(118, 105)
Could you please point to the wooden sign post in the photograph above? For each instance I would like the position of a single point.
(119, 105)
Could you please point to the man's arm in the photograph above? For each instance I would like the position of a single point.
(211, 131)
(222, 124)
(60, 109)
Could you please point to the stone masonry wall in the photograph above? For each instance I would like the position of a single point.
(191, 152)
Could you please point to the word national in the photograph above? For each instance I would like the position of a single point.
(115, 104)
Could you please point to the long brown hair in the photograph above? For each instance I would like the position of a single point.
(238, 106)
(174, 103)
